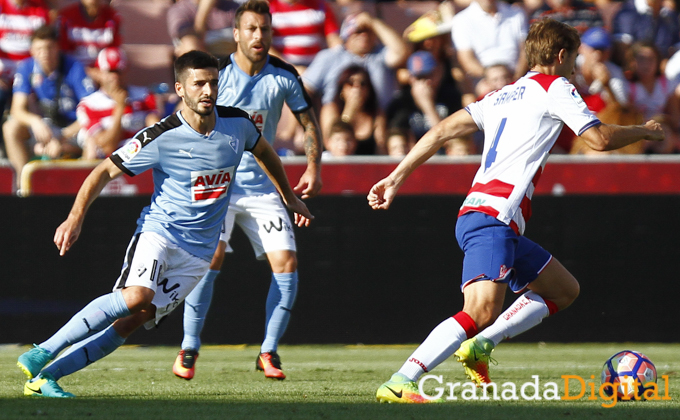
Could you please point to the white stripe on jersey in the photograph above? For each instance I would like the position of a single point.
(298, 18)
(521, 122)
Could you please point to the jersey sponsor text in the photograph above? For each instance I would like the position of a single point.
(208, 186)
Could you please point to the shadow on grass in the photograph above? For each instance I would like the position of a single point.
(123, 408)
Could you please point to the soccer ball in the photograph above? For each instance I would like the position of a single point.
(622, 369)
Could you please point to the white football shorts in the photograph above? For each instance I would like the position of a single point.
(264, 219)
(155, 262)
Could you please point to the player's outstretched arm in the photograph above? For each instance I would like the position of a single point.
(67, 233)
(459, 124)
(271, 163)
(310, 181)
(605, 137)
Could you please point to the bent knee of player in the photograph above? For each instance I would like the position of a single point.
(138, 298)
(570, 292)
(282, 261)
(126, 326)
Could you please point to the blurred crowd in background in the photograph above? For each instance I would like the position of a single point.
(65, 92)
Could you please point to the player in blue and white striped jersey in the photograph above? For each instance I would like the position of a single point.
(260, 84)
(193, 155)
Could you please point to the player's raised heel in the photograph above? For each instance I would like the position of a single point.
(45, 386)
(270, 364)
(400, 389)
(185, 364)
(32, 362)
(475, 360)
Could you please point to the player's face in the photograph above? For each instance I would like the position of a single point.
(199, 90)
(46, 53)
(568, 65)
(254, 36)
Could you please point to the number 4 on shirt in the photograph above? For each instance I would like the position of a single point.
(491, 155)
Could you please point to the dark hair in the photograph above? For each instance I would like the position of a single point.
(341, 127)
(45, 32)
(371, 104)
(545, 40)
(635, 50)
(260, 7)
(193, 60)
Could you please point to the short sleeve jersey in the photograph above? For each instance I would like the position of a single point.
(262, 96)
(521, 123)
(84, 38)
(75, 85)
(17, 25)
(94, 111)
(192, 175)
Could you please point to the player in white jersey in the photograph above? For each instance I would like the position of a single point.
(193, 155)
(521, 123)
(258, 83)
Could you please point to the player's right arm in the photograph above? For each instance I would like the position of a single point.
(459, 124)
(605, 137)
(67, 233)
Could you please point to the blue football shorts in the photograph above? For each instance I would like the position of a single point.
(494, 252)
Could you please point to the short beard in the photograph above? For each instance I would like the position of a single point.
(194, 107)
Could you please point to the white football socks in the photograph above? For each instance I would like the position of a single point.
(525, 313)
(442, 342)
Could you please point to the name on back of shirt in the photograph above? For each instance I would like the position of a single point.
(514, 95)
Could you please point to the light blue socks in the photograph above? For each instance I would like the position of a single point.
(93, 318)
(86, 352)
(196, 307)
(280, 299)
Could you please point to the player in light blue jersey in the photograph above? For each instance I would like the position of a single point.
(193, 155)
(258, 83)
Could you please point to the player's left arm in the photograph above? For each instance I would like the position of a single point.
(459, 124)
(67, 233)
(605, 137)
(271, 163)
(310, 182)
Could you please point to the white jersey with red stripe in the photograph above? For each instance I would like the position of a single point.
(17, 25)
(83, 37)
(299, 28)
(521, 122)
(95, 111)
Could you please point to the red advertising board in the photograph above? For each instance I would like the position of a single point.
(355, 176)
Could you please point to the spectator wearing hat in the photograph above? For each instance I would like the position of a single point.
(57, 82)
(85, 28)
(432, 32)
(599, 81)
(362, 35)
(116, 112)
(603, 87)
(426, 100)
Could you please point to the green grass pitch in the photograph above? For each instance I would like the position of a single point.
(325, 382)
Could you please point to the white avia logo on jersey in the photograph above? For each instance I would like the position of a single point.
(259, 116)
(209, 186)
